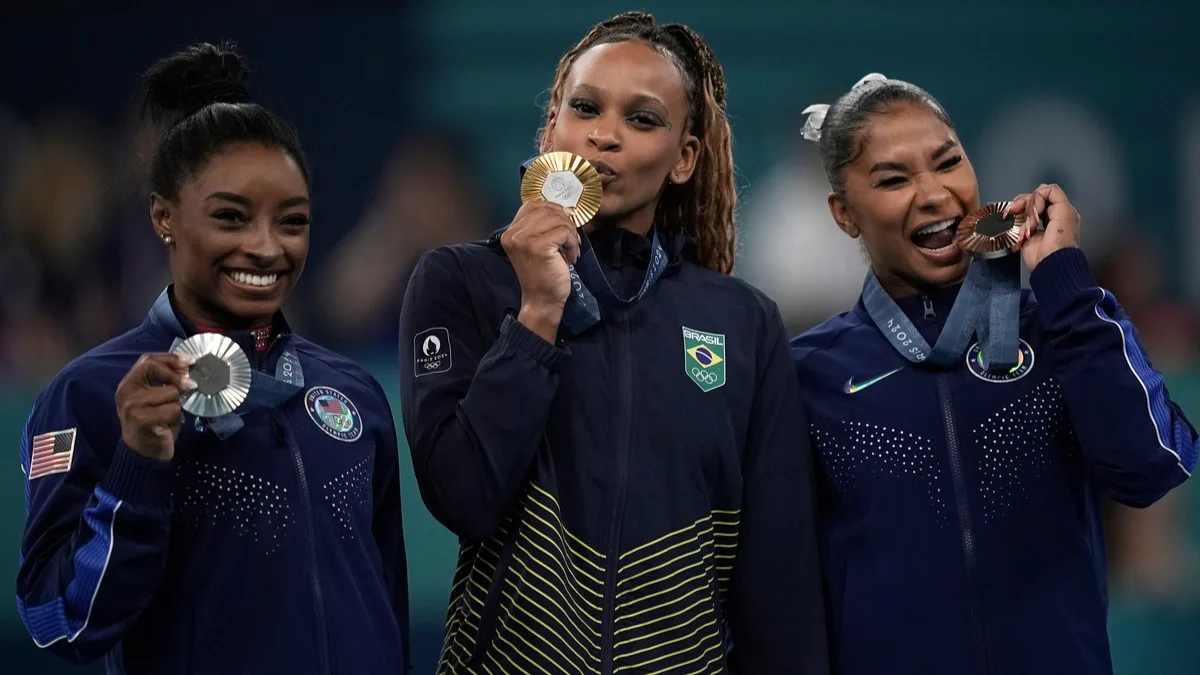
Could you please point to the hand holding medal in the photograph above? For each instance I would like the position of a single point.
(580, 286)
(148, 404)
(560, 192)
(1061, 223)
(1002, 228)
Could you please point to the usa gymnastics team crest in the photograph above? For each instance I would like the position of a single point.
(334, 413)
(704, 358)
(979, 369)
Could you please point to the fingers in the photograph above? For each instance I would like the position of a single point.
(568, 243)
(543, 227)
(156, 379)
(164, 369)
(1049, 202)
(535, 218)
(1017, 206)
(159, 395)
(140, 415)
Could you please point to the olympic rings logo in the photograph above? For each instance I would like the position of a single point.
(431, 365)
(704, 376)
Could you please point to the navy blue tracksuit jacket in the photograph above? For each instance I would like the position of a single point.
(960, 513)
(277, 550)
(634, 499)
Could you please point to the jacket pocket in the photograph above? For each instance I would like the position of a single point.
(493, 605)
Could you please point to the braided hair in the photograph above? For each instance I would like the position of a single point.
(704, 206)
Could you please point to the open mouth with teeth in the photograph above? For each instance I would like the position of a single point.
(936, 236)
(251, 279)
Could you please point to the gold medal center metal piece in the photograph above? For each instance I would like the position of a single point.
(565, 179)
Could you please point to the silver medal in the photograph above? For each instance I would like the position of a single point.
(221, 372)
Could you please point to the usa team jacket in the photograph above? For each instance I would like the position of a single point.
(636, 499)
(278, 550)
(961, 509)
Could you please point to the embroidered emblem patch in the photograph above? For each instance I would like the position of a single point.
(51, 453)
(334, 413)
(704, 358)
(978, 368)
(431, 352)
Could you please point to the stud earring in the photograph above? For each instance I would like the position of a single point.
(168, 240)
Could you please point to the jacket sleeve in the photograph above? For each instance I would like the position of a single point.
(1136, 440)
(475, 411)
(387, 526)
(97, 523)
(777, 614)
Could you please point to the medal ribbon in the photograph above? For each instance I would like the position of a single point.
(987, 306)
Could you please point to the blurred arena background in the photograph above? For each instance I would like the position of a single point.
(415, 116)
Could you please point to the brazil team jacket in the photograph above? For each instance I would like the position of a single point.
(276, 550)
(637, 498)
(961, 509)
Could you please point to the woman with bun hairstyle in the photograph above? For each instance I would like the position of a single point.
(961, 477)
(265, 540)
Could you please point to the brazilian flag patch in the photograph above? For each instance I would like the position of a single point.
(704, 358)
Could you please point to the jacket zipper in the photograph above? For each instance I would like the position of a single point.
(625, 399)
(311, 542)
(964, 522)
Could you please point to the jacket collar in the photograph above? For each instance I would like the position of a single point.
(166, 318)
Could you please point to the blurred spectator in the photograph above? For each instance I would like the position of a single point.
(142, 258)
(55, 262)
(428, 196)
(1154, 556)
(792, 250)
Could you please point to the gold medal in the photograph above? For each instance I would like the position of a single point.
(565, 179)
(221, 372)
(985, 234)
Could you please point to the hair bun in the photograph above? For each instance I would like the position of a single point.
(192, 78)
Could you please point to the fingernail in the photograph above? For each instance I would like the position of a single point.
(189, 384)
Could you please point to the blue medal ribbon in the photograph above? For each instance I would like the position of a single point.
(582, 310)
(988, 307)
(266, 392)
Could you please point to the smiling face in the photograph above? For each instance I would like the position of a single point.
(905, 195)
(624, 108)
(241, 230)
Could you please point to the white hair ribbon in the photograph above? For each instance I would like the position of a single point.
(816, 112)
(816, 118)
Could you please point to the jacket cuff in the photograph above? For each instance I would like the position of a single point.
(1060, 279)
(517, 338)
(138, 480)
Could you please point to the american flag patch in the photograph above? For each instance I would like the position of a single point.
(52, 453)
(332, 406)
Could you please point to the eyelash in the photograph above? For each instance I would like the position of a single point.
(893, 181)
(639, 119)
(297, 220)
